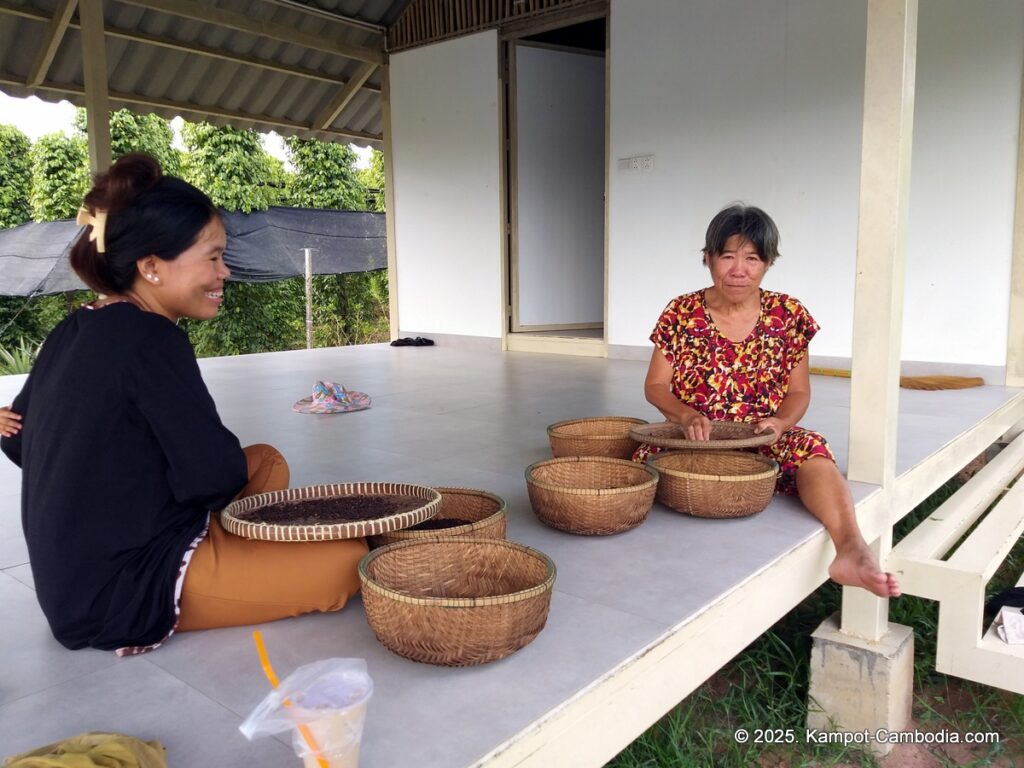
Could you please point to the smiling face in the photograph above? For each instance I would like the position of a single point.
(737, 271)
(191, 285)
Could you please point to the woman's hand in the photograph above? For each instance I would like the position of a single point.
(776, 425)
(10, 422)
(696, 426)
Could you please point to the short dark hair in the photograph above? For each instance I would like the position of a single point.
(147, 214)
(749, 222)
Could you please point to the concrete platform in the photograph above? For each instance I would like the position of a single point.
(443, 416)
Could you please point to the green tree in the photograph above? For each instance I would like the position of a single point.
(60, 176)
(231, 166)
(130, 132)
(15, 177)
(373, 180)
(325, 175)
(350, 308)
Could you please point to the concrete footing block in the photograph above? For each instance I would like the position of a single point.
(859, 688)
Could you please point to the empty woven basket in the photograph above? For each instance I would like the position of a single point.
(483, 511)
(715, 483)
(456, 601)
(591, 495)
(598, 436)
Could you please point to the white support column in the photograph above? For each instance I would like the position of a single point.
(891, 52)
(94, 65)
(1015, 336)
(389, 201)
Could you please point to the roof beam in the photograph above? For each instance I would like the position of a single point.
(323, 13)
(97, 97)
(238, 21)
(179, 45)
(125, 99)
(226, 55)
(58, 25)
(338, 104)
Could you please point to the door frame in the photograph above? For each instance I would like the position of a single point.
(510, 214)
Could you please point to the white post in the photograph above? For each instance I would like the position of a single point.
(308, 252)
(1015, 337)
(891, 54)
(94, 70)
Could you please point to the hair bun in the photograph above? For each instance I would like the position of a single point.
(130, 177)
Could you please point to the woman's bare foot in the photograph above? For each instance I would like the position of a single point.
(855, 566)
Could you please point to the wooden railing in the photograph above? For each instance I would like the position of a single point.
(427, 21)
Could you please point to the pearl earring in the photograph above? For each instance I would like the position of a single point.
(153, 278)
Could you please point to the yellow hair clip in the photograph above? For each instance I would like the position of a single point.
(98, 222)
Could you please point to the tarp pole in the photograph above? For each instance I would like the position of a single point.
(309, 297)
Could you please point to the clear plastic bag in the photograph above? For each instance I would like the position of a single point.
(329, 698)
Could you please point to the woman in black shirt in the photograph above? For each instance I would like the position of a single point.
(123, 453)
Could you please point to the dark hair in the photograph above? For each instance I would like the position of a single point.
(751, 224)
(147, 214)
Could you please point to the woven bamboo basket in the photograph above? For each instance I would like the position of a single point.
(456, 601)
(235, 517)
(715, 483)
(591, 495)
(484, 511)
(598, 436)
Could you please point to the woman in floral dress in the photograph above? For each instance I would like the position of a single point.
(734, 352)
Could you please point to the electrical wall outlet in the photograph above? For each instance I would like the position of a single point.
(637, 164)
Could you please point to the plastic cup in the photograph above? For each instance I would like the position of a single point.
(338, 734)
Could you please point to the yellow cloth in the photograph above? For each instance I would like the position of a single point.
(93, 750)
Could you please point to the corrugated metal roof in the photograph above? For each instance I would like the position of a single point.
(268, 64)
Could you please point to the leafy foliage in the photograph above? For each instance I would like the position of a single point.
(349, 308)
(325, 175)
(230, 165)
(130, 132)
(19, 358)
(373, 180)
(60, 176)
(15, 177)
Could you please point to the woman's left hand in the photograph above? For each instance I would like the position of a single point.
(776, 425)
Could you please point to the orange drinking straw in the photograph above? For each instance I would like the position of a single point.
(269, 672)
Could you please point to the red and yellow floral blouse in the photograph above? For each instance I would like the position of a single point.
(744, 380)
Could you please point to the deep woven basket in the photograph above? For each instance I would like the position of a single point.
(598, 436)
(485, 511)
(456, 601)
(591, 495)
(715, 483)
(343, 530)
(725, 435)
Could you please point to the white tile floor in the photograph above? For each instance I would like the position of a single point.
(441, 416)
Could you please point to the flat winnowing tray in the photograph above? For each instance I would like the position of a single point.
(725, 435)
(243, 518)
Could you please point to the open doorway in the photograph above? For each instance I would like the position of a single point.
(556, 188)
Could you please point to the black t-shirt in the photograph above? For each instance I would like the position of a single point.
(123, 454)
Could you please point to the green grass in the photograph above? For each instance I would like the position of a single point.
(765, 687)
(19, 358)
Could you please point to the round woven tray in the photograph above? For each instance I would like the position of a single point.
(353, 529)
(591, 495)
(485, 511)
(725, 435)
(715, 483)
(596, 436)
(456, 601)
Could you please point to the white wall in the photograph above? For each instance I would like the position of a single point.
(445, 139)
(969, 65)
(762, 101)
(560, 150)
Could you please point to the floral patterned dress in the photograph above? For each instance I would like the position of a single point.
(740, 380)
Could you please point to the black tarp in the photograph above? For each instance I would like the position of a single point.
(263, 246)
